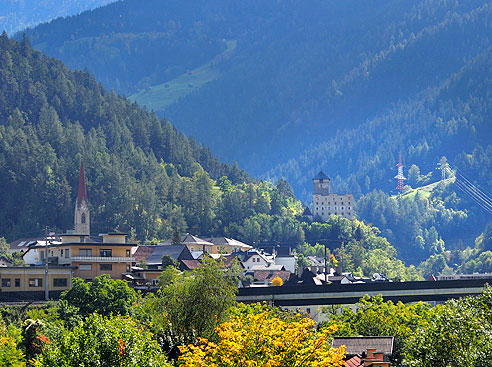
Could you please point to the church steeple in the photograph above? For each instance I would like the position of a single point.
(82, 216)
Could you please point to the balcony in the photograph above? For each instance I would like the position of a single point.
(105, 259)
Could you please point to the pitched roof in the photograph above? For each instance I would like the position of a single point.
(269, 267)
(193, 240)
(307, 212)
(358, 344)
(321, 176)
(229, 259)
(143, 253)
(189, 264)
(228, 241)
(355, 361)
(82, 192)
(262, 275)
(188, 239)
(24, 244)
(154, 254)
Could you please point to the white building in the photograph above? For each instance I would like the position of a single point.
(326, 203)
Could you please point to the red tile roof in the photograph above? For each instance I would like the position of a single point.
(262, 275)
(143, 253)
(354, 362)
(191, 264)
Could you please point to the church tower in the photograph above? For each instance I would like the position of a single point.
(82, 218)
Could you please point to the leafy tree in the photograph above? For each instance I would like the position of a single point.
(167, 261)
(104, 341)
(10, 353)
(190, 305)
(374, 317)
(103, 295)
(4, 246)
(457, 333)
(257, 336)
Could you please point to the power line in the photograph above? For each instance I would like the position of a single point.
(484, 192)
(477, 201)
(473, 191)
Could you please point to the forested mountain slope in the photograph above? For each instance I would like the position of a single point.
(454, 120)
(143, 175)
(16, 15)
(300, 71)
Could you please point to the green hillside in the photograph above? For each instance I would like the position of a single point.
(161, 96)
(423, 191)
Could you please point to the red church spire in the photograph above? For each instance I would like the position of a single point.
(82, 194)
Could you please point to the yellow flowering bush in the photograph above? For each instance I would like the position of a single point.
(265, 339)
(277, 282)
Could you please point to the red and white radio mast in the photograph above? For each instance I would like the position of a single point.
(399, 177)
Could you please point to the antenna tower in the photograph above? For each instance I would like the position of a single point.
(399, 177)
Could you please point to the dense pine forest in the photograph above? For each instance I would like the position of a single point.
(141, 171)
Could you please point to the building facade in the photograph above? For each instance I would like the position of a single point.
(326, 203)
(26, 279)
(90, 259)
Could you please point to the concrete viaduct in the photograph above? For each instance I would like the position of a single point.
(337, 294)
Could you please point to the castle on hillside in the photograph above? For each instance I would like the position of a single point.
(326, 203)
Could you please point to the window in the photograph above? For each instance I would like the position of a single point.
(41, 254)
(105, 253)
(67, 253)
(128, 253)
(105, 267)
(35, 282)
(5, 282)
(83, 218)
(60, 282)
(85, 267)
(17, 282)
(85, 252)
(128, 268)
(61, 252)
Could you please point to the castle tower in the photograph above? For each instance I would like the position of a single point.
(82, 216)
(321, 184)
(326, 203)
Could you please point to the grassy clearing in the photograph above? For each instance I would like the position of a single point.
(161, 96)
(424, 191)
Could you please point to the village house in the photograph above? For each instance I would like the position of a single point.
(28, 282)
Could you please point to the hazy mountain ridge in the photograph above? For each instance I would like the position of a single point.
(440, 121)
(297, 74)
(17, 15)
